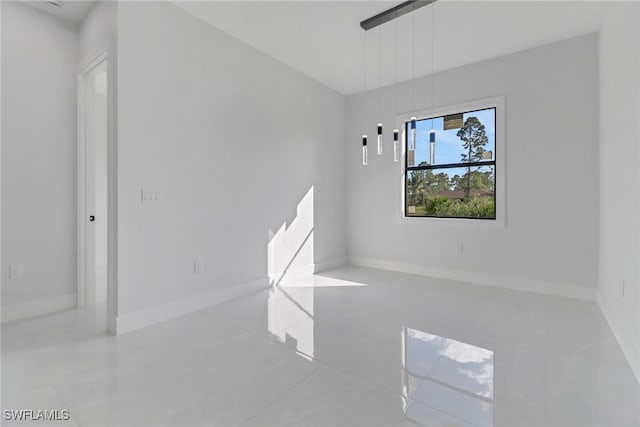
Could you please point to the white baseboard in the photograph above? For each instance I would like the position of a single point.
(329, 264)
(626, 344)
(160, 313)
(517, 283)
(39, 307)
(293, 273)
(302, 271)
(147, 317)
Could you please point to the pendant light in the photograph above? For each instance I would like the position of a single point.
(413, 80)
(396, 133)
(412, 139)
(379, 19)
(432, 146)
(432, 132)
(365, 154)
(396, 145)
(380, 90)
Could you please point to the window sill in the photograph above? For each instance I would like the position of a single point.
(451, 222)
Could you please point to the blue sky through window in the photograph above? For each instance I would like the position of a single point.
(448, 146)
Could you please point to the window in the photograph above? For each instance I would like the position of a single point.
(451, 171)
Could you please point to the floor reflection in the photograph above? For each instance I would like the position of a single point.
(446, 382)
(290, 318)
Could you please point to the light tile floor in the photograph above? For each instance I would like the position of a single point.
(348, 347)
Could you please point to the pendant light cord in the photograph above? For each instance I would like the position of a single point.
(433, 56)
(380, 73)
(413, 62)
(364, 72)
(395, 74)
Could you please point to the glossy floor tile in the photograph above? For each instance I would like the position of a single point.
(347, 347)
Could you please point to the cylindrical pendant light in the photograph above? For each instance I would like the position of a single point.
(365, 154)
(396, 145)
(432, 133)
(411, 138)
(412, 145)
(432, 147)
(380, 89)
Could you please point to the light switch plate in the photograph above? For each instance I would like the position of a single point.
(151, 196)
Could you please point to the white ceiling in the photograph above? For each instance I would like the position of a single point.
(73, 11)
(323, 39)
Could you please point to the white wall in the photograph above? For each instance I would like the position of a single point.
(620, 177)
(39, 55)
(234, 141)
(550, 243)
(97, 31)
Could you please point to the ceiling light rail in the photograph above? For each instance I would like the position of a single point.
(393, 13)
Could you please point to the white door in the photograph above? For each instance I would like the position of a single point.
(95, 186)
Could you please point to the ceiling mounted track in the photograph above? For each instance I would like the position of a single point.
(393, 13)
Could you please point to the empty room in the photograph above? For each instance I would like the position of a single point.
(320, 213)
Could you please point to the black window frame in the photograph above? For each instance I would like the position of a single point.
(493, 162)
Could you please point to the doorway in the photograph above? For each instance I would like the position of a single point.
(93, 186)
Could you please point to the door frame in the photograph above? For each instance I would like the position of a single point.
(85, 67)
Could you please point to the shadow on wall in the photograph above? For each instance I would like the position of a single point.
(290, 249)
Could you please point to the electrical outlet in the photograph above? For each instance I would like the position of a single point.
(198, 266)
(16, 271)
